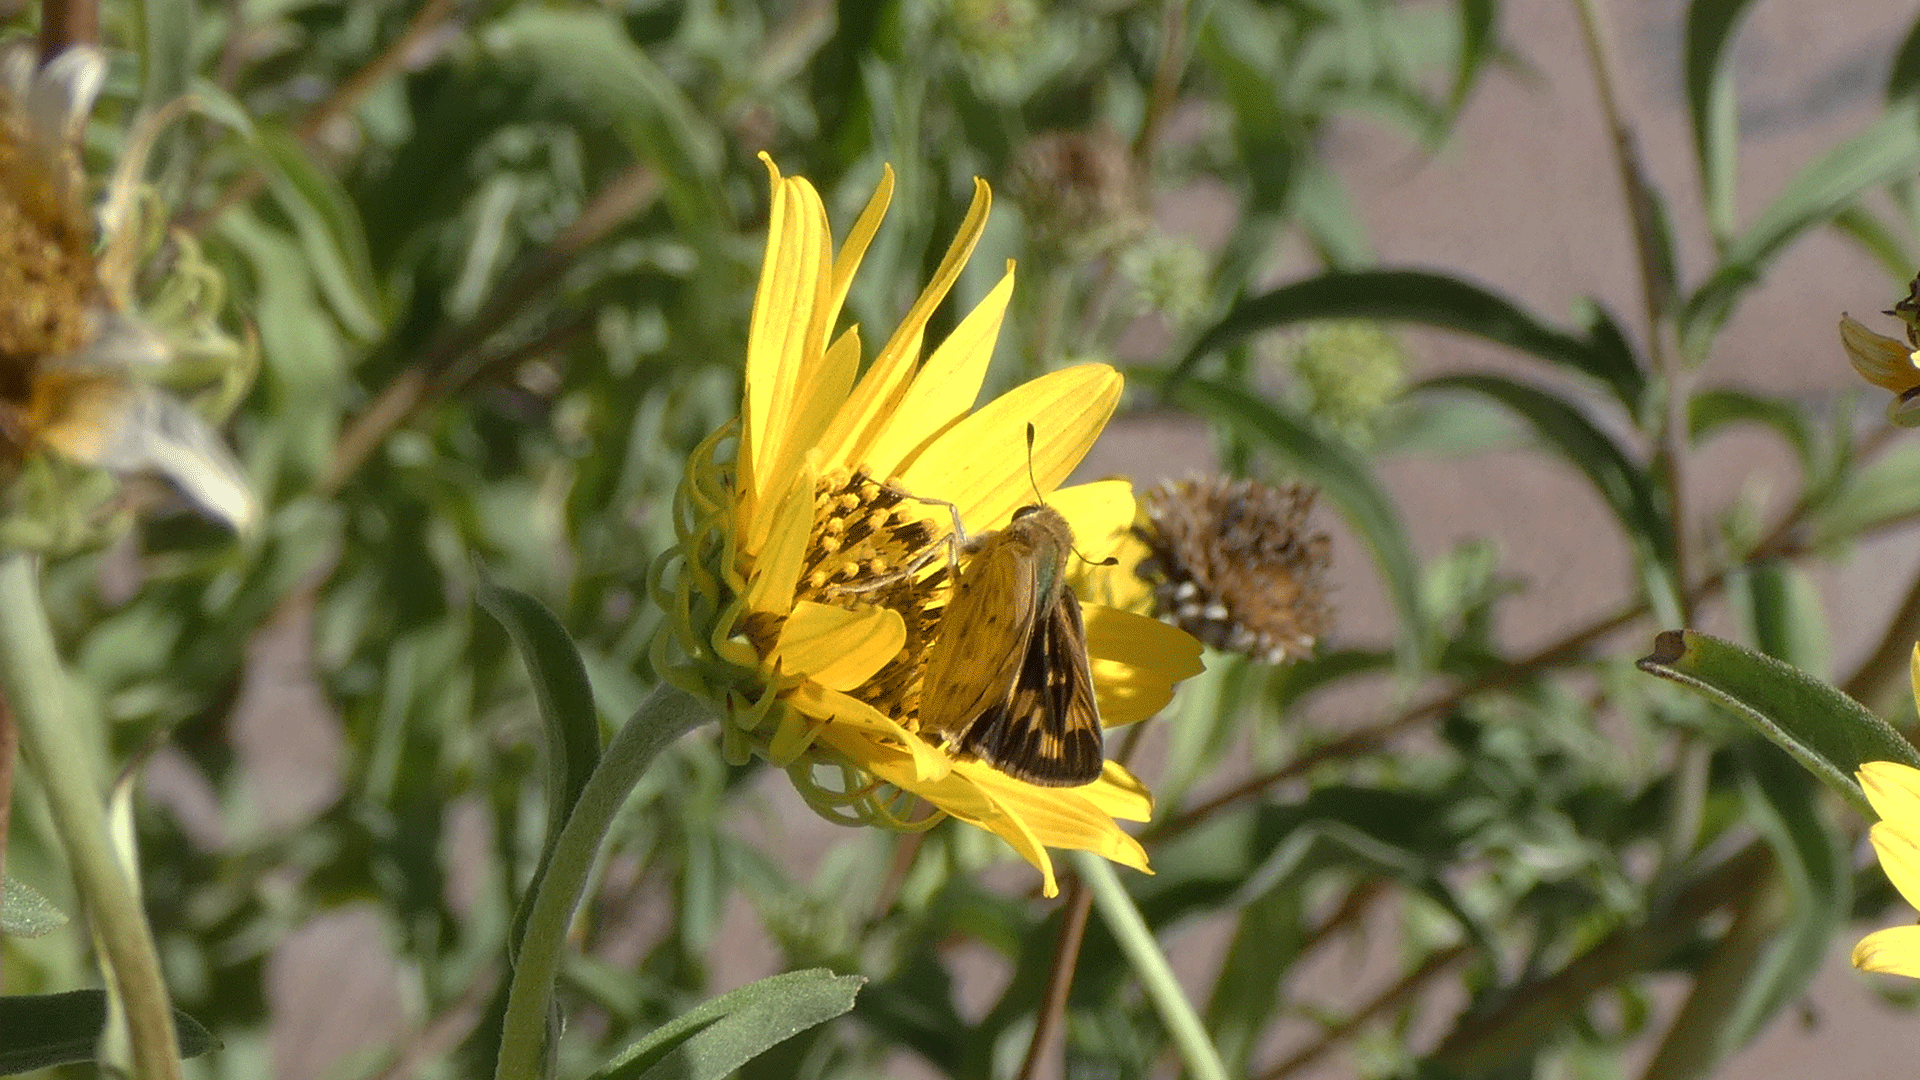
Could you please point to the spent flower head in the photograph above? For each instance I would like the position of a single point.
(81, 369)
(812, 571)
(1233, 562)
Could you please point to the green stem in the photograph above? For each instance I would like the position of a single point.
(665, 716)
(1150, 964)
(53, 746)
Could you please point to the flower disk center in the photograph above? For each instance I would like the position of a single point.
(872, 546)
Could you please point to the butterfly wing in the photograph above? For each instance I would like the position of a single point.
(984, 635)
(1047, 729)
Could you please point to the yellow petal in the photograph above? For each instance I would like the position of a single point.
(793, 284)
(1058, 818)
(1101, 514)
(946, 386)
(1913, 673)
(1125, 694)
(1119, 585)
(980, 463)
(862, 415)
(837, 648)
(1118, 793)
(958, 793)
(907, 336)
(1142, 642)
(854, 248)
(1895, 950)
(1893, 789)
(777, 564)
(1883, 361)
(817, 398)
(863, 733)
(1898, 845)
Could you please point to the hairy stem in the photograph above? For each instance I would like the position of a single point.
(53, 745)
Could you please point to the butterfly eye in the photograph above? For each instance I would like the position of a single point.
(1031, 508)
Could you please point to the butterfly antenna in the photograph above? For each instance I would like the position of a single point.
(1031, 479)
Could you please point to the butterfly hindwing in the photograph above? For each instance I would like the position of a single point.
(1047, 729)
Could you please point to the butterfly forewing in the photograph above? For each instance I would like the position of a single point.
(984, 634)
(1008, 679)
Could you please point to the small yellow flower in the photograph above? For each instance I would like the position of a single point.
(1894, 791)
(786, 597)
(1887, 362)
(78, 367)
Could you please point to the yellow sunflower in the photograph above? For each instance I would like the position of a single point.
(79, 368)
(810, 575)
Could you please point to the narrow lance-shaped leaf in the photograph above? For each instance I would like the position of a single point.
(712, 1040)
(25, 911)
(1826, 731)
(1712, 409)
(39, 1031)
(1903, 78)
(1623, 484)
(1716, 131)
(1884, 152)
(565, 700)
(1812, 860)
(1429, 299)
(585, 58)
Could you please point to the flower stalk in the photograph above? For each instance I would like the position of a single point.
(53, 746)
(1136, 940)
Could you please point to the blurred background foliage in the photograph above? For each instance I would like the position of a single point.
(499, 259)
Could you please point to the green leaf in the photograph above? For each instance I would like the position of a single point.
(1887, 246)
(1826, 731)
(25, 912)
(330, 231)
(565, 698)
(1782, 613)
(1452, 426)
(1812, 858)
(1479, 39)
(1622, 484)
(39, 1031)
(1781, 929)
(665, 716)
(1710, 410)
(166, 29)
(1903, 80)
(1885, 491)
(1716, 118)
(1345, 479)
(712, 1040)
(1267, 939)
(1430, 299)
(1884, 152)
(1323, 209)
(586, 59)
